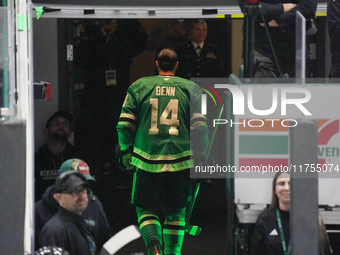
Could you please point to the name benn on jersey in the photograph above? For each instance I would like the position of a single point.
(165, 91)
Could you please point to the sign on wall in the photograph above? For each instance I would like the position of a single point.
(262, 143)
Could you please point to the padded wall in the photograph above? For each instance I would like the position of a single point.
(12, 186)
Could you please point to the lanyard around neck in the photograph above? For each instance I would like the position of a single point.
(286, 250)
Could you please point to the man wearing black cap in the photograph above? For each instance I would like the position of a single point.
(94, 214)
(67, 229)
(51, 155)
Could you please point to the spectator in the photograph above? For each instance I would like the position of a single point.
(104, 53)
(94, 214)
(67, 229)
(163, 162)
(51, 155)
(333, 22)
(198, 57)
(280, 18)
(268, 238)
(168, 34)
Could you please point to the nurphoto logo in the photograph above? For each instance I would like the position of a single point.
(276, 101)
(239, 100)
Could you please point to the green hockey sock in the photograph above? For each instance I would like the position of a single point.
(150, 227)
(173, 235)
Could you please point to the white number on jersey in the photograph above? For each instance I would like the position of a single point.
(172, 108)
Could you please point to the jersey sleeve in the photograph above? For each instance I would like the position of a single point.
(198, 123)
(127, 123)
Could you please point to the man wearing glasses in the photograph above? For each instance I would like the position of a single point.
(51, 155)
(67, 229)
(94, 214)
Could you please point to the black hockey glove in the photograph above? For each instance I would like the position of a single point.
(123, 158)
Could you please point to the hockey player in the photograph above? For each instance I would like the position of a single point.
(158, 117)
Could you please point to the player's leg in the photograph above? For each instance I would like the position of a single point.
(151, 230)
(146, 197)
(174, 230)
(178, 194)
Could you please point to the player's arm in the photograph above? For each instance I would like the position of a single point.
(126, 128)
(127, 123)
(270, 11)
(287, 19)
(198, 124)
(199, 137)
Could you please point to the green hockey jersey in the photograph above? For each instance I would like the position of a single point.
(158, 115)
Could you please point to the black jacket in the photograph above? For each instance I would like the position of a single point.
(47, 165)
(208, 65)
(266, 239)
(333, 23)
(94, 216)
(97, 54)
(266, 236)
(68, 231)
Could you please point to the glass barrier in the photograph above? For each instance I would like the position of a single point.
(300, 46)
(251, 139)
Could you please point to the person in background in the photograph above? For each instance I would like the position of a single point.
(51, 155)
(279, 16)
(93, 215)
(198, 57)
(104, 53)
(268, 238)
(168, 34)
(67, 229)
(333, 22)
